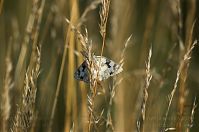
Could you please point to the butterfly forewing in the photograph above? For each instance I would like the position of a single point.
(107, 67)
(82, 73)
(103, 68)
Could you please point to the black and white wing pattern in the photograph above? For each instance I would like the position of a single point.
(106, 67)
(82, 73)
(103, 69)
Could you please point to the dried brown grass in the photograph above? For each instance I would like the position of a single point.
(37, 86)
(5, 97)
(25, 114)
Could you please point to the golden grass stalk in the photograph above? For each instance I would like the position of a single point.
(83, 39)
(140, 122)
(26, 110)
(112, 88)
(124, 50)
(104, 17)
(184, 62)
(30, 38)
(119, 31)
(93, 117)
(147, 83)
(84, 111)
(58, 87)
(61, 72)
(103, 21)
(5, 97)
(188, 42)
(86, 52)
(112, 91)
(182, 96)
(71, 98)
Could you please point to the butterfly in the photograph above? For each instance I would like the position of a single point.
(103, 69)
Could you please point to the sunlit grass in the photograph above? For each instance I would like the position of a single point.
(43, 44)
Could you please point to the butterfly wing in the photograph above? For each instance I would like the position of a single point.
(82, 73)
(103, 68)
(107, 67)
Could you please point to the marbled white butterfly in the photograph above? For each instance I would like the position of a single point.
(99, 72)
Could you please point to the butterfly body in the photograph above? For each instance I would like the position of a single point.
(103, 69)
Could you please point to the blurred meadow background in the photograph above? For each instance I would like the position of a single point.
(158, 89)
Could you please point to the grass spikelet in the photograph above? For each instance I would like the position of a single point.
(124, 50)
(26, 110)
(30, 39)
(140, 122)
(192, 115)
(112, 88)
(103, 21)
(183, 63)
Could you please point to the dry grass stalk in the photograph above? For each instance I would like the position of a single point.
(119, 31)
(71, 98)
(190, 23)
(5, 97)
(88, 55)
(181, 43)
(192, 116)
(26, 110)
(93, 118)
(94, 4)
(147, 83)
(86, 52)
(187, 42)
(82, 19)
(124, 50)
(140, 122)
(104, 18)
(83, 41)
(183, 64)
(57, 88)
(30, 38)
(112, 91)
(182, 96)
(112, 88)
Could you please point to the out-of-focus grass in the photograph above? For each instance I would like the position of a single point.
(61, 102)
